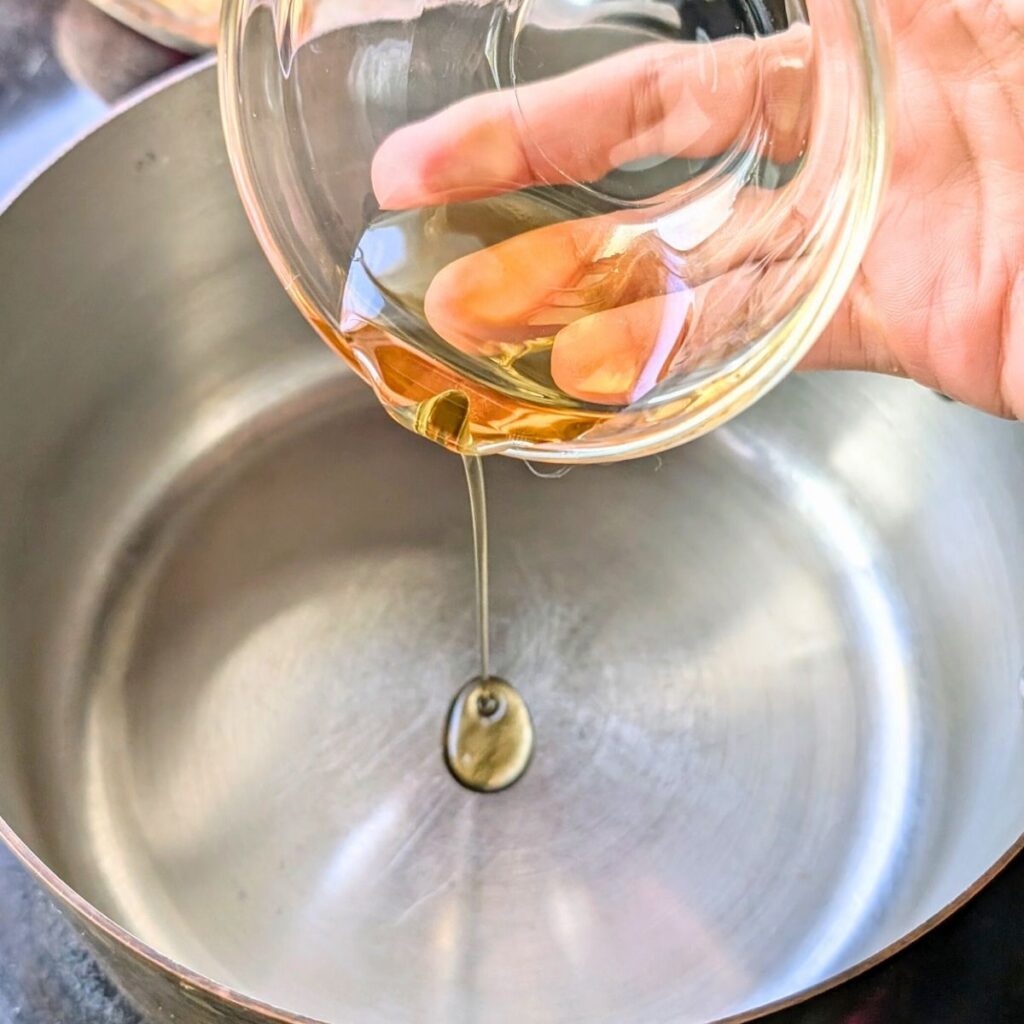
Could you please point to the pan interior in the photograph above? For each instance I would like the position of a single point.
(773, 675)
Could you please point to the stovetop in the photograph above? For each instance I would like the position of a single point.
(60, 63)
(46, 976)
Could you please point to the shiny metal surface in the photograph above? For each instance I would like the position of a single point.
(773, 676)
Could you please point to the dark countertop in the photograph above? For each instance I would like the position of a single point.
(61, 63)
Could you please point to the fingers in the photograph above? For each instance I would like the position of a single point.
(518, 289)
(671, 99)
(532, 285)
(617, 356)
(856, 339)
(621, 308)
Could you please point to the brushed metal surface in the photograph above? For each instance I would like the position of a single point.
(773, 675)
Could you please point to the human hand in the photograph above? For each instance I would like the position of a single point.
(940, 293)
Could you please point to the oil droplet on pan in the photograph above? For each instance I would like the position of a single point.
(489, 735)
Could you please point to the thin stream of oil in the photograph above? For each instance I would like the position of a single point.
(474, 466)
(489, 733)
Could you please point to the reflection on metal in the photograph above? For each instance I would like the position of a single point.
(765, 703)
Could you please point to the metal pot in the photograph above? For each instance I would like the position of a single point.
(774, 675)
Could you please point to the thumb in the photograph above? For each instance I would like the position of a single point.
(855, 339)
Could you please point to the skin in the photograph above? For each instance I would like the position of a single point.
(940, 293)
(939, 296)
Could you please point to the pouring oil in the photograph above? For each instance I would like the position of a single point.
(489, 733)
(465, 400)
(498, 387)
(474, 467)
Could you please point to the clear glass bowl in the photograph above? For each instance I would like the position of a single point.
(568, 230)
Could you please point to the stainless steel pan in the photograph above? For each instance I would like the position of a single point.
(774, 676)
